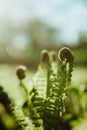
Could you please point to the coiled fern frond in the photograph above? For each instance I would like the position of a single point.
(66, 55)
(41, 85)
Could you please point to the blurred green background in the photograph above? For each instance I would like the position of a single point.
(28, 26)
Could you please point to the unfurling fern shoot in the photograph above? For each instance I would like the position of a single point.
(41, 77)
(54, 61)
(58, 89)
(41, 85)
(66, 55)
(21, 73)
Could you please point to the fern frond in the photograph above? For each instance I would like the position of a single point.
(54, 61)
(16, 112)
(41, 78)
(28, 108)
(22, 121)
(65, 54)
(41, 87)
(56, 101)
(58, 89)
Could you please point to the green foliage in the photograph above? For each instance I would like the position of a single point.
(18, 117)
(44, 105)
(78, 100)
(80, 55)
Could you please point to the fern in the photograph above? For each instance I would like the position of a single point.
(16, 112)
(41, 85)
(51, 106)
(55, 102)
(54, 61)
(28, 108)
(44, 105)
(41, 78)
(65, 54)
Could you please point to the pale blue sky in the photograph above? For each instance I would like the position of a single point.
(70, 16)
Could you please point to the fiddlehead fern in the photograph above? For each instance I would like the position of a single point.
(42, 74)
(21, 73)
(28, 106)
(58, 89)
(41, 84)
(65, 54)
(41, 78)
(54, 61)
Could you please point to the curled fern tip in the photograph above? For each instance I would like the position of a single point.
(21, 72)
(45, 55)
(65, 53)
